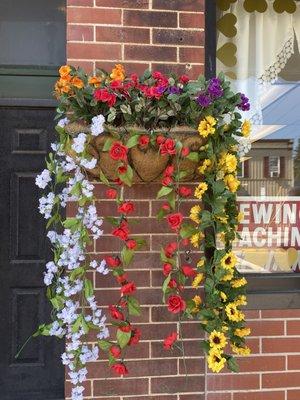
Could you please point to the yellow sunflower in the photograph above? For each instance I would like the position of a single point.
(240, 217)
(239, 283)
(205, 165)
(217, 339)
(197, 302)
(215, 360)
(223, 296)
(241, 351)
(229, 260)
(241, 300)
(200, 263)
(242, 332)
(233, 313)
(228, 163)
(197, 280)
(194, 214)
(196, 239)
(200, 190)
(246, 128)
(231, 182)
(206, 126)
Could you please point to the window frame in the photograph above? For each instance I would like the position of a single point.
(267, 291)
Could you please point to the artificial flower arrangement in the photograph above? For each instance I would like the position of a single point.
(120, 114)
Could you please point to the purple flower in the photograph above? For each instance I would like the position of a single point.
(214, 88)
(160, 89)
(203, 100)
(174, 90)
(244, 104)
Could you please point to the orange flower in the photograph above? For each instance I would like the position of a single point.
(64, 70)
(77, 82)
(94, 80)
(62, 86)
(118, 73)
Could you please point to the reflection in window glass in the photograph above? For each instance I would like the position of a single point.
(258, 50)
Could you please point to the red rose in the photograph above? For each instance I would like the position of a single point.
(111, 193)
(125, 328)
(175, 220)
(104, 96)
(122, 278)
(126, 208)
(185, 191)
(160, 139)
(113, 261)
(115, 313)
(166, 207)
(122, 169)
(135, 336)
(134, 78)
(185, 242)
(122, 231)
(172, 284)
(118, 151)
(168, 147)
(167, 181)
(157, 75)
(169, 170)
(120, 369)
(128, 288)
(167, 268)
(170, 340)
(188, 271)
(118, 181)
(144, 141)
(176, 304)
(115, 351)
(184, 79)
(185, 151)
(131, 244)
(170, 249)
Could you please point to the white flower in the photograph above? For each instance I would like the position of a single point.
(244, 146)
(79, 142)
(77, 393)
(43, 179)
(101, 268)
(56, 330)
(46, 205)
(88, 164)
(97, 125)
(63, 122)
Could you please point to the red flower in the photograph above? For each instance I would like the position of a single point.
(118, 151)
(185, 151)
(168, 147)
(134, 78)
(115, 313)
(170, 249)
(188, 271)
(125, 328)
(157, 75)
(121, 278)
(172, 284)
(167, 268)
(144, 141)
(185, 191)
(122, 169)
(176, 304)
(122, 231)
(135, 336)
(160, 139)
(118, 181)
(167, 181)
(115, 351)
(131, 244)
(169, 170)
(126, 208)
(175, 220)
(104, 96)
(170, 340)
(166, 207)
(184, 79)
(128, 288)
(120, 369)
(185, 242)
(113, 261)
(111, 193)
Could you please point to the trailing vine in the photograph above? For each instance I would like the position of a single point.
(106, 122)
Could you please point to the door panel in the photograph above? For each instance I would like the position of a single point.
(37, 374)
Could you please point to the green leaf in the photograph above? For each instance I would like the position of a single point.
(133, 306)
(172, 199)
(126, 255)
(165, 286)
(164, 191)
(107, 144)
(103, 178)
(127, 177)
(88, 288)
(104, 345)
(123, 338)
(232, 364)
(187, 230)
(70, 223)
(205, 345)
(111, 359)
(57, 302)
(132, 141)
(193, 156)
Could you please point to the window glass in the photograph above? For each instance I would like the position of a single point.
(258, 50)
(32, 32)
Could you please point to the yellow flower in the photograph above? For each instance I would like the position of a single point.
(246, 128)
(239, 283)
(242, 332)
(197, 281)
(200, 190)
(241, 300)
(215, 360)
(197, 300)
(64, 70)
(95, 81)
(229, 274)
(118, 73)
(223, 220)
(231, 182)
(194, 214)
(240, 217)
(228, 162)
(206, 126)
(62, 86)
(222, 237)
(200, 263)
(223, 296)
(242, 351)
(229, 260)
(224, 328)
(205, 165)
(196, 239)
(233, 313)
(217, 340)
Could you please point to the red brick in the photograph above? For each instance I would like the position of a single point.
(192, 55)
(293, 328)
(122, 35)
(89, 51)
(233, 382)
(109, 208)
(192, 71)
(149, 397)
(118, 387)
(86, 65)
(150, 18)
(180, 5)
(81, 3)
(141, 278)
(131, 67)
(191, 20)
(192, 397)
(93, 15)
(294, 362)
(252, 314)
(192, 348)
(177, 384)
(123, 3)
(286, 379)
(281, 314)
(111, 244)
(261, 363)
(80, 33)
(261, 395)
(141, 226)
(266, 328)
(191, 366)
(218, 396)
(86, 384)
(149, 53)
(282, 345)
(178, 37)
(293, 395)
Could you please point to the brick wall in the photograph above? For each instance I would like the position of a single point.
(169, 35)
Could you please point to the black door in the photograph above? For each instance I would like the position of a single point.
(25, 135)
